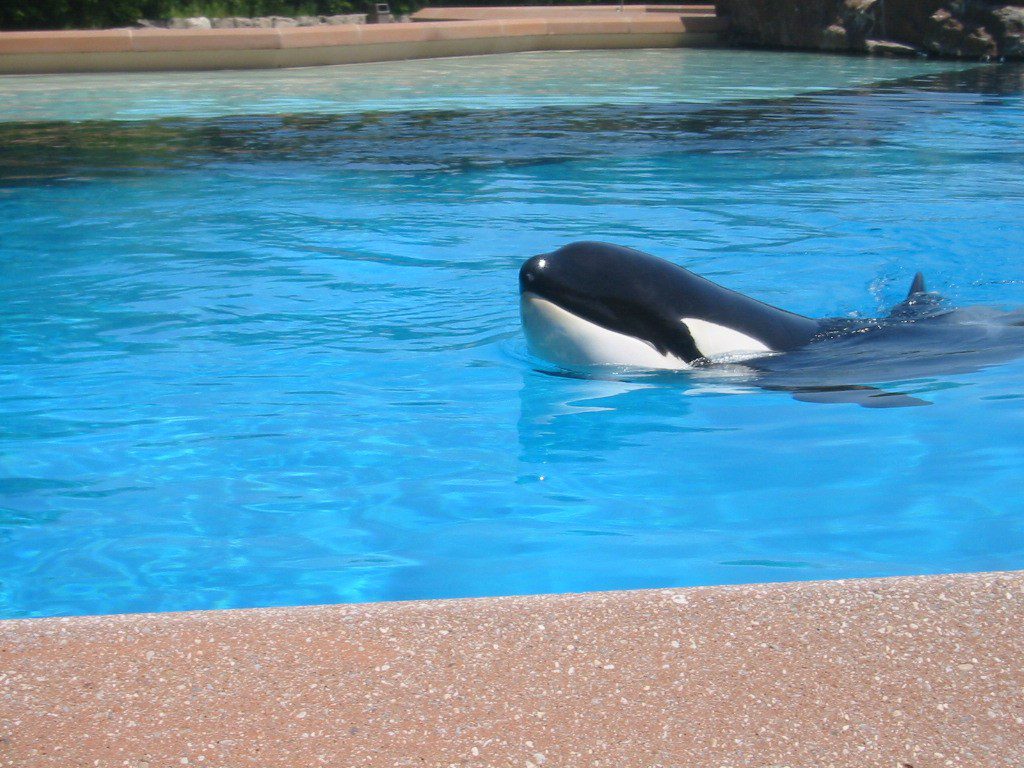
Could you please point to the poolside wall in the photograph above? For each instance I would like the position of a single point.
(166, 49)
(889, 673)
(971, 29)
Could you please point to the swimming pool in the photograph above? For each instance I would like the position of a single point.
(261, 345)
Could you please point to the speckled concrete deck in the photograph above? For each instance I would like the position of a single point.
(896, 672)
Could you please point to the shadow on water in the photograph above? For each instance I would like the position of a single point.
(584, 418)
(453, 141)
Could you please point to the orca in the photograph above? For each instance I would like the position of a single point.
(598, 304)
(591, 306)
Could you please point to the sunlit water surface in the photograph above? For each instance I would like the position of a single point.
(259, 335)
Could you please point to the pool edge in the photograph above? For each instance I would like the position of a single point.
(900, 671)
(499, 31)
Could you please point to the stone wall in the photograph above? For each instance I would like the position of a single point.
(976, 29)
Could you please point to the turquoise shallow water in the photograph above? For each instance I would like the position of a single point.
(260, 345)
(526, 80)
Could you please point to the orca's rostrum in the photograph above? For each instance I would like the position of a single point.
(590, 305)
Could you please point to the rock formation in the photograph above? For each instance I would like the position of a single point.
(265, 22)
(975, 29)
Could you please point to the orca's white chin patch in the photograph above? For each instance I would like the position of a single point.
(569, 341)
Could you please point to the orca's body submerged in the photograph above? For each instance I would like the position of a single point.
(594, 305)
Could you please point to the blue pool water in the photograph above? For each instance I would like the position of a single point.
(259, 336)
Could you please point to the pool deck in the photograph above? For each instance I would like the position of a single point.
(433, 33)
(924, 671)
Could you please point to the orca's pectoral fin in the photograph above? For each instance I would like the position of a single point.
(866, 397)
(917, 286)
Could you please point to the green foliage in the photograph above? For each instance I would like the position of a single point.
(81, 14)
(58, 14)
(220, 8)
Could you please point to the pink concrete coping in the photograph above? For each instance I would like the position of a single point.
(494, 24)
(76, 41)
(693, 24)
(925, 672)
(595, 26)
(202, 39)
(316, 37)
(553, 11)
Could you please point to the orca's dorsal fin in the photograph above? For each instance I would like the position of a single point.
(917, 286)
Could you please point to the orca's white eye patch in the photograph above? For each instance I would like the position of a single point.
(712, 339)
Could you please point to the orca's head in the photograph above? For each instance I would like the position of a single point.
(596, 304)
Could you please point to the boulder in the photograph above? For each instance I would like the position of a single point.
(193, 22)
(890, 48)
(781, 23)
(1008, 26)
(979, 43)
(859, 17)
(283, 21)
(834, 38)
(947, 35)
(307, 21)
(975, 29)
(344, 18)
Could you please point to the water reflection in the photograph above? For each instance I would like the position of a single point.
(517, 81)
(460, 141)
